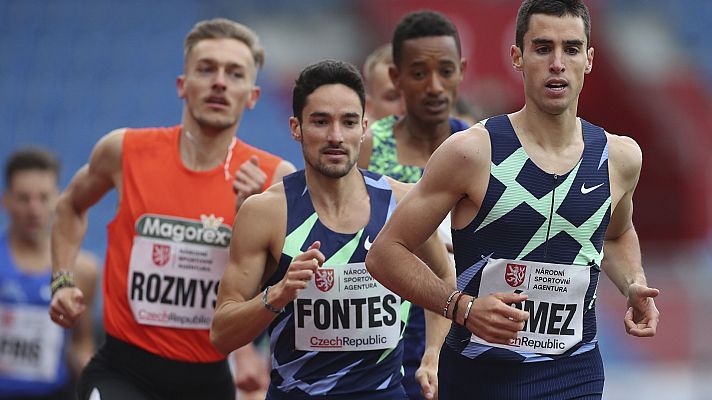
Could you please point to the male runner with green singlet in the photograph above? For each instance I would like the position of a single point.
(427, 70)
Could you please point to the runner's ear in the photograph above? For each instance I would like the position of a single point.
(296, 129)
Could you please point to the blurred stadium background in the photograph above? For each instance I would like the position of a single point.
(72, 70)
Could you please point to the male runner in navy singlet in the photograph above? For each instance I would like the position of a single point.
(335, 332)
(536, 196)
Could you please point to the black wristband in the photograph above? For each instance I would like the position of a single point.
(454, 308)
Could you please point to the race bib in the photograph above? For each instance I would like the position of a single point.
(555, 304)
(30, 343)
(174, 271)
(345, 309)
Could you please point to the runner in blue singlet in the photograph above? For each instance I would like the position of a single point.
(38, 359)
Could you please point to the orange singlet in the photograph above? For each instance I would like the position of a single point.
(168, 245)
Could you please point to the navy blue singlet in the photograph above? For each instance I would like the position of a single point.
(531, 215)
(372, 374)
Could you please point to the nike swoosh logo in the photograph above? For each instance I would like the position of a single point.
(367, 244)
(586, 190)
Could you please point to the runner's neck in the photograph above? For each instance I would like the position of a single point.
(201, 152)
(30, 255)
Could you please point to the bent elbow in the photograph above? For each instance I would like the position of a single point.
(217, 342)
(219, 339)
(63, 205)
(372, 263)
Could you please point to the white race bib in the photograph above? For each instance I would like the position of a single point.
(174, 284)
(345, 309)
(30, 343)
(556, 299)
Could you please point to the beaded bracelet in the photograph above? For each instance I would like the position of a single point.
(270, 306)
(61, 279)
(449, 300)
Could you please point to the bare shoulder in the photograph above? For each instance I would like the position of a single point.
(460, 157)
(269, 204)
(260, 225)
(283, 169)
(470, 145)
(112, 142)
(399, 188)
(625, 157)
(106, 155)
(101, 174)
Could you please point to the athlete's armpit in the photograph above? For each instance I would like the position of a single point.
(625, 163)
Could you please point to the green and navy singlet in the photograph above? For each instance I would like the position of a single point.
(326, 370)
(384, 157)
(384, 160)
(537, 233)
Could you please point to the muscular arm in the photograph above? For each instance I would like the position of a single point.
(622, 261)
(82, 345)
(446, 181)
(436, 328)
(251, 374)
(89, 185)
(458, 171)
(238, 298)
(255, 249)
(434, 254)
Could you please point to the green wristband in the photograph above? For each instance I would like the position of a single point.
(61, 279)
